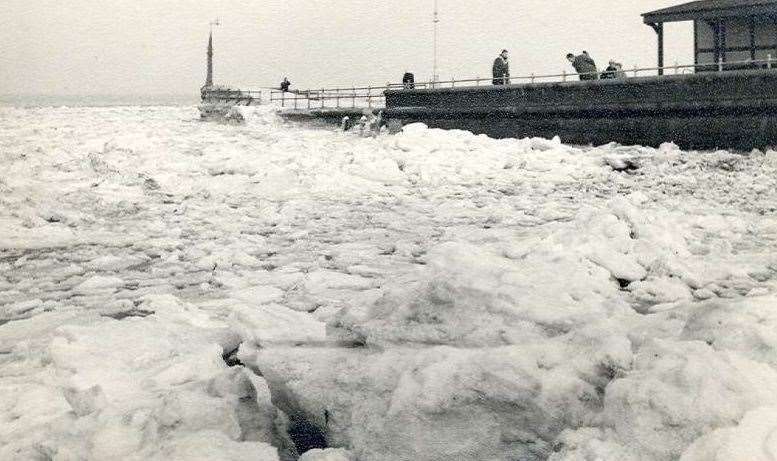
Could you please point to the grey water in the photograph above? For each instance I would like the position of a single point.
(37, 100)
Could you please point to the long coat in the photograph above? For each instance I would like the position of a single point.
(501, 71)
(586, 66)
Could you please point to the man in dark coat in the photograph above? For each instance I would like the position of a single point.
(584, 65)
(501, 69)
(408, 81)
(285, 84)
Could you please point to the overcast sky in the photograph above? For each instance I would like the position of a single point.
(158, 46)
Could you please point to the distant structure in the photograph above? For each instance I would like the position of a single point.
(724, 31)
(209, 77)
(218, 101)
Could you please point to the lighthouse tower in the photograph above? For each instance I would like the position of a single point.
(209, 77)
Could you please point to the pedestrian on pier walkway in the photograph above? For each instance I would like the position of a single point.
(584, 65)
(501, 69)
(285, 84)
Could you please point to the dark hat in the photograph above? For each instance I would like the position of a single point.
(570, 55)
(504, 51)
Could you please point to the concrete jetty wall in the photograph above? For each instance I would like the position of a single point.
(707, 110)
(325, 115)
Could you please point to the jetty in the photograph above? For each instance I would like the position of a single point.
(726, 99)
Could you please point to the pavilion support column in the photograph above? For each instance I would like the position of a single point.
(659, 28)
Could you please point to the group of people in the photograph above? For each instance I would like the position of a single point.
(583, 64)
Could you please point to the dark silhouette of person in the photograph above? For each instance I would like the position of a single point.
(584, 65)
(285, 85)
(408, 81)
(501, 69)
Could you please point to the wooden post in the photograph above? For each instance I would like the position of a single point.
(353, 96)
(661, 49)
(659, 28)
(718, 39)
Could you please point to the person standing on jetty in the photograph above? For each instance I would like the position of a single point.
(584, 65)
(285, 84)
(501, 69)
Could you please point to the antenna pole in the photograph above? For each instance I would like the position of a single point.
(217, 22)
(436, 20)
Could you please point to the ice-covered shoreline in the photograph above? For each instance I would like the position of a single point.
(429, 295)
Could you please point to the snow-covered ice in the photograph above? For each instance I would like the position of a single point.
(172, 289)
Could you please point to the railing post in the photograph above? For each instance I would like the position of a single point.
(676, 68)
(477, 80)
(308, 99)
(353, 96)
(453, 82)
(296, 104)
(720, 64)
(564, 75)
(532, 77)
(337, 95)
(369, 97)
(283, 99)
(635, 70)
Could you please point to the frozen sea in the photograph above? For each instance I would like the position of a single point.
(178, 290)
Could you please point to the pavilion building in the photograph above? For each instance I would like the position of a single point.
(728, 34)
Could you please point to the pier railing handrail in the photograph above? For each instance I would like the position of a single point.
(719, 66)
(373, 95)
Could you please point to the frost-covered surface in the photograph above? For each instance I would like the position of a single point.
(429, 295)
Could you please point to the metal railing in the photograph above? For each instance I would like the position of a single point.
(372, 97)
(231, 96)
(367, 97)
(720, 66)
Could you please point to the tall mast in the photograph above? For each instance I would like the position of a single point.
(209, 77)
(436, 20)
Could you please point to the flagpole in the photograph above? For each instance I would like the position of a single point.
(436, 20)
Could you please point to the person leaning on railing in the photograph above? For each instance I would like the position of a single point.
(501, 69)
(584, 65)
